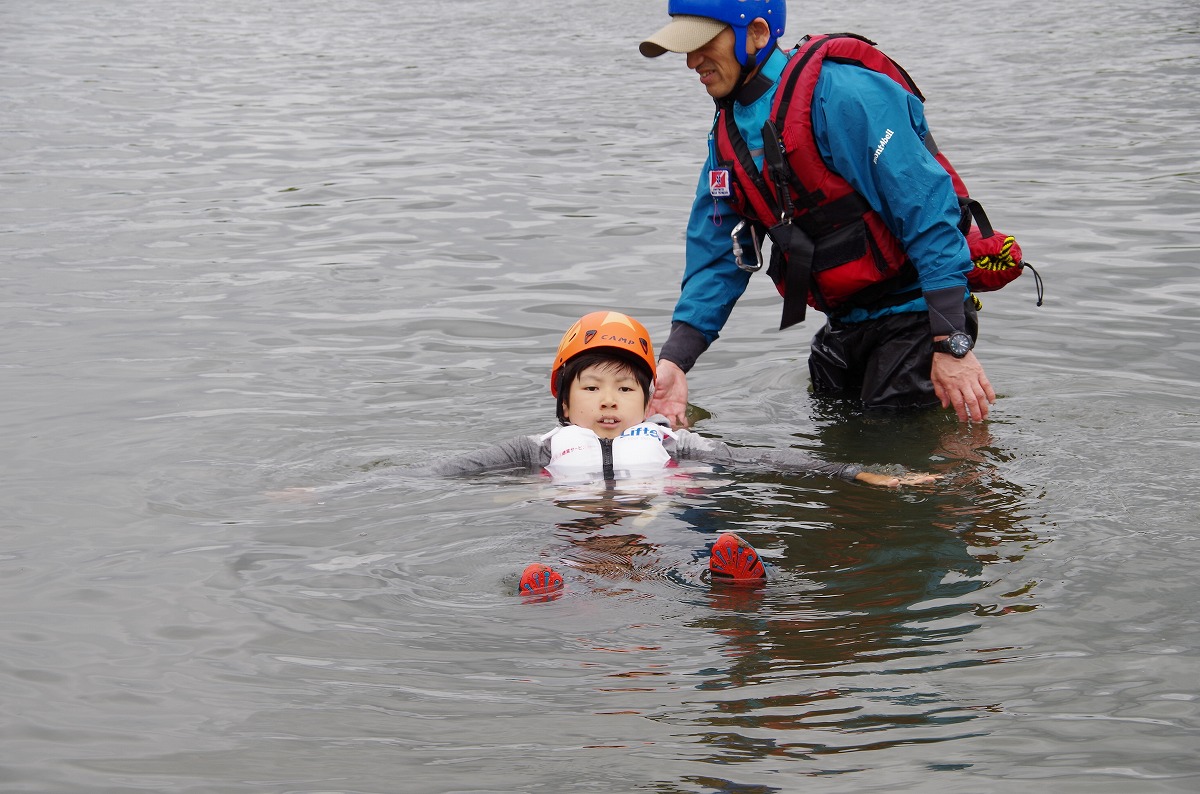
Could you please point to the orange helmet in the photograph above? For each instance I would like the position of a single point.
(598, 331)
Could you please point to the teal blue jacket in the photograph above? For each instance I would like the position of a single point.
(853, 109)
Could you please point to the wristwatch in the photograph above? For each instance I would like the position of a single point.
(957, 344)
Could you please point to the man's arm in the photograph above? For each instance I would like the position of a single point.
(712, 282)
(670, 394)
(711, 285)
(871, 131)
(962, 384)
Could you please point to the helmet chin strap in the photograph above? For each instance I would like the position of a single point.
(748, 67)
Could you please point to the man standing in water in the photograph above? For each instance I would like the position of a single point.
(863, 217)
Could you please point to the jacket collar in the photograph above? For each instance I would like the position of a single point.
(752, 90)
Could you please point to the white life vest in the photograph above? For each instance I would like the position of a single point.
(577, 456)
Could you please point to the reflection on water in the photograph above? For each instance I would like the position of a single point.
(873, 595)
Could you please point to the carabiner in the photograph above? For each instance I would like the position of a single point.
(738, 250)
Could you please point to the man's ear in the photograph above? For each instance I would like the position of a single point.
(757, 35)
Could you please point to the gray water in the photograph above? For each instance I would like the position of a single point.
(261, 258)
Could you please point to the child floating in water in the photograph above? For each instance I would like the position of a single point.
(601, 378)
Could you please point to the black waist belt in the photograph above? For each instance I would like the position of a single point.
(792, 249)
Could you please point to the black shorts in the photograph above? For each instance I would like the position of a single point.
(885, 362)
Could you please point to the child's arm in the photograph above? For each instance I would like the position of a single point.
(892, 481)
(522, 452)
(694, 446)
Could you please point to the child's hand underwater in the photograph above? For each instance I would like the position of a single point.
(893, 481)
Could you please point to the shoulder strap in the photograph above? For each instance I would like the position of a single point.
(741, 151)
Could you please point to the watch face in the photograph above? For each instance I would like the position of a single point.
(960, 344)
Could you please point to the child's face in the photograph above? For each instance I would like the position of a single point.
(606, 399)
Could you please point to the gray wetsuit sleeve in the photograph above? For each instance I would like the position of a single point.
(522, 452)
(692, 446)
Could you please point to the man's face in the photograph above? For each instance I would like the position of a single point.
(717, 65)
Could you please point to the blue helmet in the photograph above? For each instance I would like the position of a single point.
(738, 14)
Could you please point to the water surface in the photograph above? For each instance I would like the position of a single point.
(263, 259)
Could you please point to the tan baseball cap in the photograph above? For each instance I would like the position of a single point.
(684, 33)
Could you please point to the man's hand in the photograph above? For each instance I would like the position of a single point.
(961, 382)
(670, 394)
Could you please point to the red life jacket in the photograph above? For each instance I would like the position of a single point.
(855, 259)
